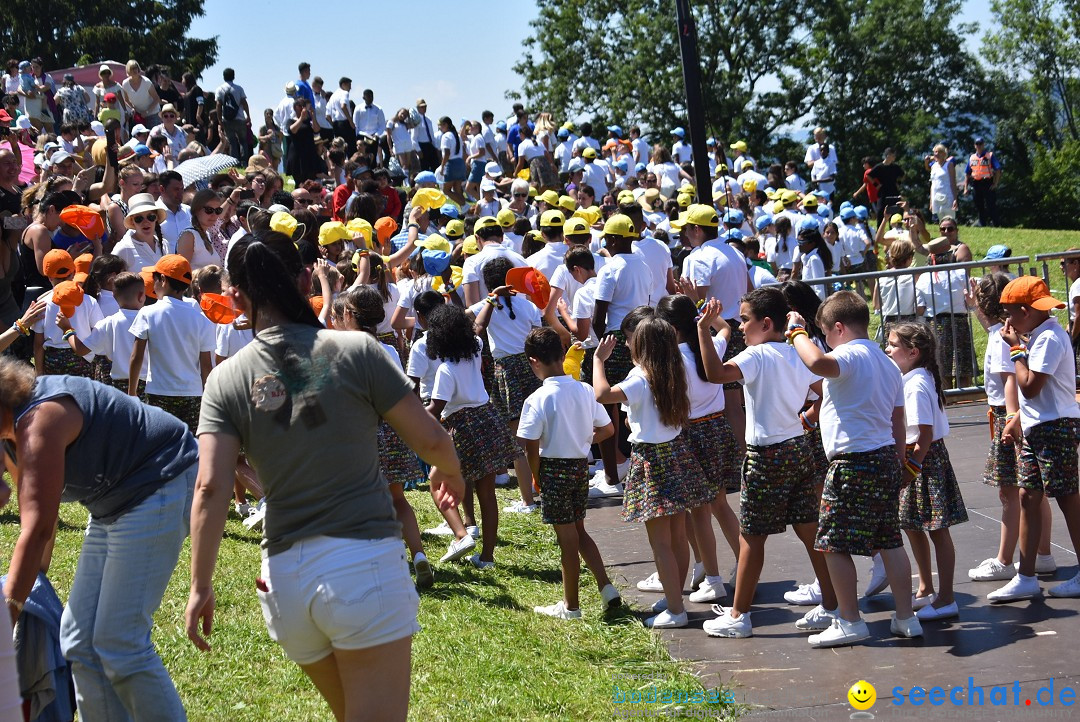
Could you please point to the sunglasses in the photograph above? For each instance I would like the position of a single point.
(304, 201)
(213, 211)
(946, 229)
(168, 115)
(141, 218)
(521, 195)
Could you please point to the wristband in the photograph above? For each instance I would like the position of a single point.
(1010, 417)
(68, 334)
(806, 423)
(700, 304)
(1018, 352)
(795, 333)
(18, 326)
(912, 466)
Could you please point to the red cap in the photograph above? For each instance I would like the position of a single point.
(110, 97)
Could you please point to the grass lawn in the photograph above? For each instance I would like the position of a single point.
(482, 653)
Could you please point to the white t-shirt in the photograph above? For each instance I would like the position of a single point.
(720, 268)
(549, 258)
(641, 150)
(1050, 352)
(229, 339)
(777, 383)
(460, 384)
(176, 334)
(584, 306)
(400, 137)
(238, 95)
(107, 303)
(595, 176)
(899, 296)
(506, 336)
(682, 152)
(87, 315)
(136, 254)
(450, 142)
(388, 307)
(625, 282)
(642, 414)
(658, 258)
(1074, 292)
(943, 291)
(854, 243)
(529, 149)
(472, 270)
(813, 268)
(996, 362)
(112, 338)
(667, 177)
(421, 367)
(561, 278)
(706, 398)
(857, 406)
(760, 277)
(476, 145)
(562, 415)
(564, 153)
(780, 253)
(410, 288)
(795, 182)
(921, 406)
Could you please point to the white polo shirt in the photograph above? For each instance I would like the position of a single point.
(460, 384)
(176, 333)
(112, 337)
(864, 395)
(625, 282)
(562, 414)
(1050, 353)
(506, 336)
(472, 270)
(549, 258)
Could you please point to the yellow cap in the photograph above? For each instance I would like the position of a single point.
(428, 198)
(333, 232)
(553, 218)
(435, 242)
(589, 152)
(567, 203)
(469, 246)
(532, 191)
(487, 222)
(684, 200)
(454, 229)
(550, 197)
(575, 226)
(506, 218)
(620, 225)
(688, 189)
(895, 218)
(720, 198)
(359, 225)
(698, 215)
(625, 198)
(590, 214)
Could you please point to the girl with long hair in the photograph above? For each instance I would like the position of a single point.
(195, 243)
(452, 165)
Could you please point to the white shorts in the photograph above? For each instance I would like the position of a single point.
(327, 593)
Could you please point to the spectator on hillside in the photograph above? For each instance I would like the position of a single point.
(982, 176)
(234, 114)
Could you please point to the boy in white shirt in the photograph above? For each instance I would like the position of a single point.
(859, 512)
(1049, 419)
(110, 337)
(52, 354)
(183, 340)
(656, 254)
(550, 257)
(778, 474)
(559, 421)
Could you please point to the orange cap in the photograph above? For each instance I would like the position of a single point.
(80, 277)
(67, 295)
(174, 266)
(82, 263)
(218, 308)
(57, 264)
(147, 274)
(532, 283)
(385, 227)
(1030, 291)
(87, 220)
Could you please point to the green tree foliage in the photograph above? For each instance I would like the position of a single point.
(67, 32)
(620, 60)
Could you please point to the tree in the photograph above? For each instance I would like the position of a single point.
(65, 32)
(620, 60)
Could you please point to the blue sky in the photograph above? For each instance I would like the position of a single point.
(379, 46)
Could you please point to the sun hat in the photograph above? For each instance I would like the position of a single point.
(174, 266)
(621, 226)
(139, 129)
(57, 264)
(68, 296)
(104, 68)
(168, 108)
(1030, 291)
(140, 204)
(649, 199)
(553, 218)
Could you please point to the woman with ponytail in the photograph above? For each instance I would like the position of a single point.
(334, 586)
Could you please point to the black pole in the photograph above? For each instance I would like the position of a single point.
(695, 112)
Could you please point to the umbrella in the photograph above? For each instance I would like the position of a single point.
(203, 169)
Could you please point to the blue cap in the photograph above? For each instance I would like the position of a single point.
(435, 262)
(360, 170)
(449, 210)
(142, 150)
(824, 195)
(997, 252)
(622, 164)
(640, 167)
(823, 211)
(563, 133)
(846, 204)
(846, 214)
(500, 125)
(978, 141)
(733, 234)
(679, 132)
(575, 165)
(710, 142)
(862, 213)
(808, 224)
(615, 129)
(24, 65)
(425, 176)
(763, 222)
(734, 216)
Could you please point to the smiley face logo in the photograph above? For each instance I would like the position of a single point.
(862, 695)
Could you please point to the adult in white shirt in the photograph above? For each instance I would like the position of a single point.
(141, 246)
(681, 151)
(169, 129)
(177, 215)
(322, 112)
(284, 115)
(943, 192)
(823, 172)
(813, 151)
(564, 151)
(369, 118)
(425, 139)
(339, 114)
(639, 146)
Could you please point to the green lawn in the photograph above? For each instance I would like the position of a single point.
(482, 653)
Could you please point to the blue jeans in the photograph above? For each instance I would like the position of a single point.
(105, 631)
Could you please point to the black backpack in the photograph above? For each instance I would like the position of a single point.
(229, 107)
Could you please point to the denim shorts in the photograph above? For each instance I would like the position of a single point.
(327, 593)
(455, 170)
(476, 173)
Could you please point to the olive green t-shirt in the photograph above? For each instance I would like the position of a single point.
(305, 404)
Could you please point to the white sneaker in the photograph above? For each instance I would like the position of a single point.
(256, 516)
(697, 576)
(1044, 564)
(667, 620)
(479, 563)
(839, 633)
(918, 603)
(520, 507)
(930, 613)
(473, 531)
(727, 626)
(424, 576)
(910, 627)
(559, 611)
(805, 595)
(660, 605)
(991, 570)
(817, 619)
(879, 581)
(623, 469)
(598, 477)
(1017, 588)
(610, 595)
(243, 509)
(651, 583)
(1070, 588)
(441, 530)
(605, 489)
(459, 548)
(708, 592)
(502, 479)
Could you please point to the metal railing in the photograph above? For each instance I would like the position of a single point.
(900, 291)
